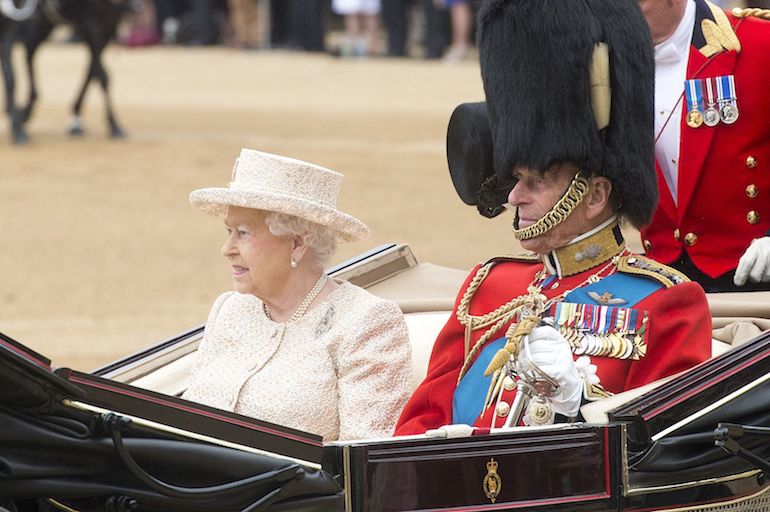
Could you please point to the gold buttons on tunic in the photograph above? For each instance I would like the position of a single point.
(752, 191)
(691, 239)
(751, 162)
(677, 234)
(752, 217)
(508, 383)
(503, 409)
(647, 245)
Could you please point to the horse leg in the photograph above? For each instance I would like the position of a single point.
(36, 35)
(116, 132)
(76, 125)
(18, 135)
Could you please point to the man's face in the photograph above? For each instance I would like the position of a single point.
(534, 195)
(663, 16)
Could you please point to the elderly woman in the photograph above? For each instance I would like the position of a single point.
(291, 345)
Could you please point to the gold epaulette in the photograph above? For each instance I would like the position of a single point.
(751, 11)
(524, 257)
(643, 266)
(719, 36)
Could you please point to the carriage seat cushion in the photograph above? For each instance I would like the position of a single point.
(423, 330)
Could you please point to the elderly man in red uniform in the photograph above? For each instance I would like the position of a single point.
(568, 120)
(712, 143)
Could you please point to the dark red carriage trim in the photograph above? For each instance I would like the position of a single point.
(32, 357)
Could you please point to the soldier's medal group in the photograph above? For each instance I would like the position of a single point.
(710, 101)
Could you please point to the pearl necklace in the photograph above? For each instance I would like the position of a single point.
(302, 308)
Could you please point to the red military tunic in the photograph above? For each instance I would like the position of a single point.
(724, 171)
(678, 337)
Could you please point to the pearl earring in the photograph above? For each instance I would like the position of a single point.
(292, 263)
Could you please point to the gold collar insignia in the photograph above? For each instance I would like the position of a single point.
(587, 253)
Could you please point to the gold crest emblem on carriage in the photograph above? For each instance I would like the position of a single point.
(492, 482)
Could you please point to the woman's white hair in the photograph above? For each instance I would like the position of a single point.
(322, 240)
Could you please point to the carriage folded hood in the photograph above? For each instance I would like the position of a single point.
(56, 444)
(27, 381)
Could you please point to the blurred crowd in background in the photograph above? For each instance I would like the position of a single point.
(430, 29)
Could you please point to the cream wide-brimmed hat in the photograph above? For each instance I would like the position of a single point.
(264, 181)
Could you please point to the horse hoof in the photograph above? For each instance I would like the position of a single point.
(117, 133)
(76, 131)
(20, 139)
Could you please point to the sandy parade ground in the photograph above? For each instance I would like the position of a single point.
(101, 254)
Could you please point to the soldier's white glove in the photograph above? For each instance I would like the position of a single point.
(551, 353)
(754, 265)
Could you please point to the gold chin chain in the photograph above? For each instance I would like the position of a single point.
(561, 210)
(528, 307)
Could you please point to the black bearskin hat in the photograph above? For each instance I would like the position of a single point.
(536, 58)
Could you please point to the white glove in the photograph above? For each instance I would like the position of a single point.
(754, 265)
(548, 349)
(451, 431)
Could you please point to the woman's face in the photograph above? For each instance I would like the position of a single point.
(259, 259)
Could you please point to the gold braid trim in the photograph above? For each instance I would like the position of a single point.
(497, 318)
(560, 211)
(465, 302)
(513, 335)
(751, 11)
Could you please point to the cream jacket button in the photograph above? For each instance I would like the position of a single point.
(752, 191)
(751, 162)
(752, 217)
(677, 235)
(691, 239)
(508, 383)
(502, 409)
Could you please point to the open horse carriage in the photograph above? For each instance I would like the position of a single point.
(120, 439)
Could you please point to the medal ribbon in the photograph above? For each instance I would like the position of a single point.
(694, 90)
(725, 88)
(728, 85)
(721, 89)
(733, 94)
(710, 99)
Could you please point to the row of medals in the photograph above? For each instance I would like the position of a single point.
(727, 111)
